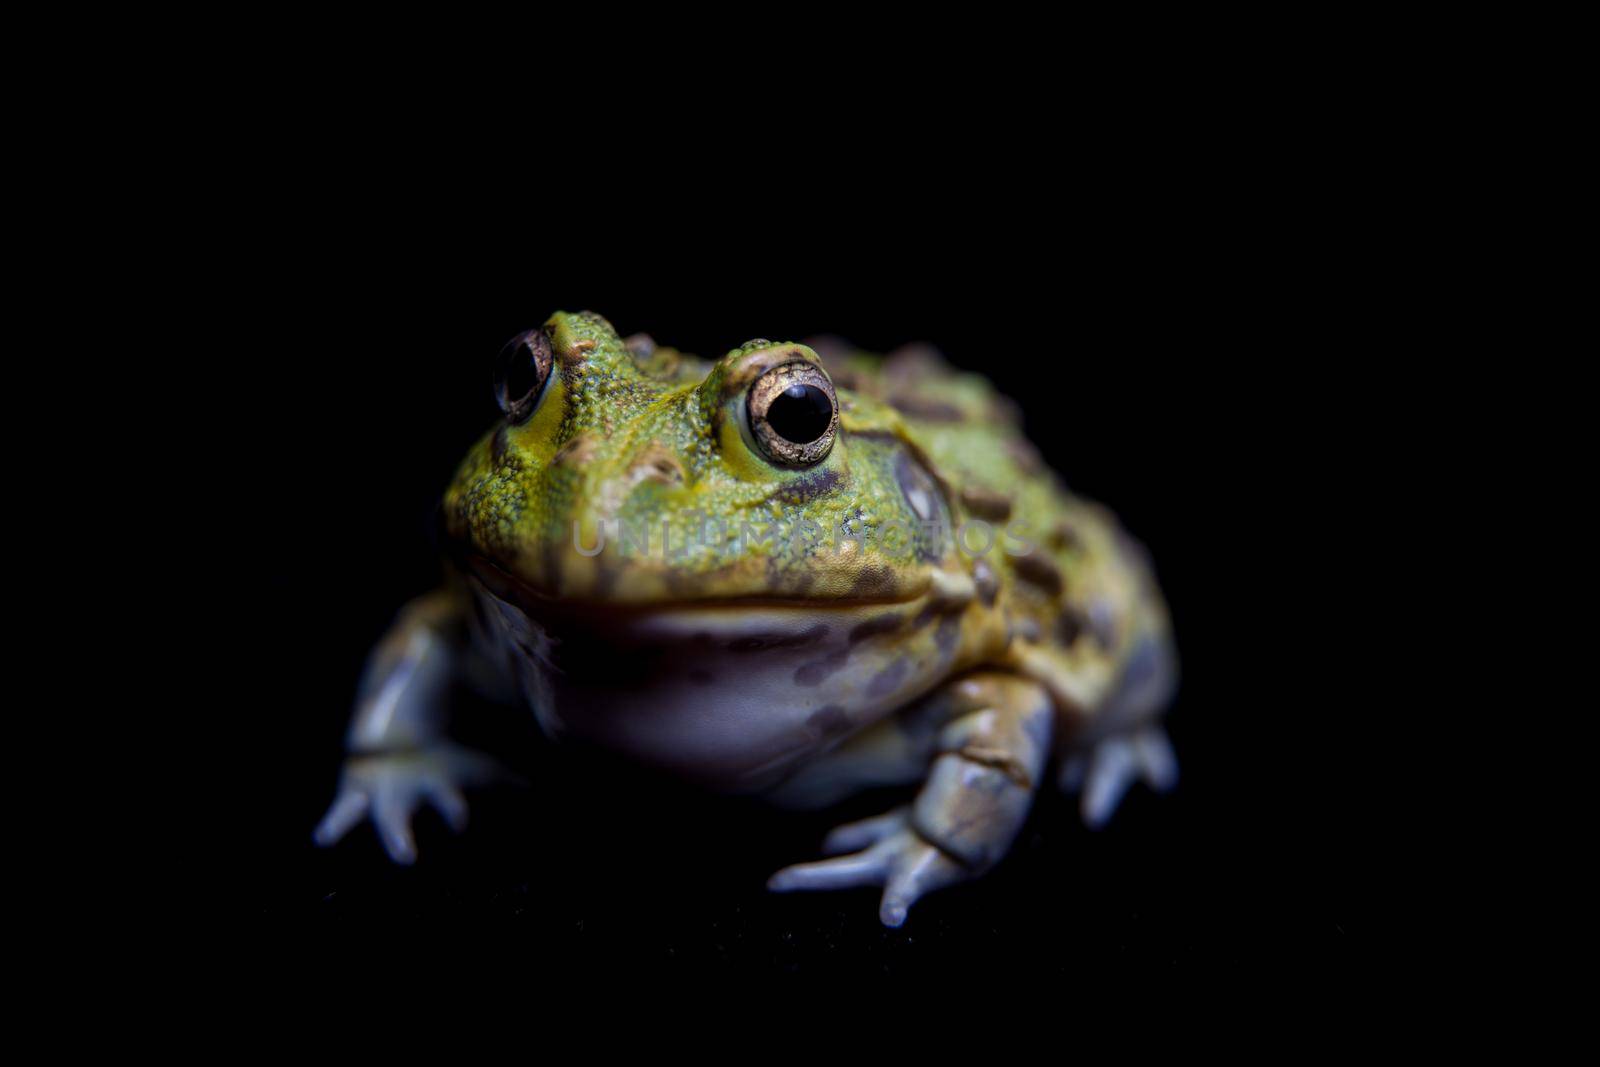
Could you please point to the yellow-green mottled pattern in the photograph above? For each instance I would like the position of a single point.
(652, 439)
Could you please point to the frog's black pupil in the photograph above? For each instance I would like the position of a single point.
(801, 413)
(522, 372)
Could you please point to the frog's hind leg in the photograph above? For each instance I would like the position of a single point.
(991, 740)
(1126, 743)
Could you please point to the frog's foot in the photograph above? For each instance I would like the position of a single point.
(990, 751)
(1105, 772)
(884, 851)
(389, 787)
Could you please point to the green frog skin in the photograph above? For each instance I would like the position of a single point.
(797, 571)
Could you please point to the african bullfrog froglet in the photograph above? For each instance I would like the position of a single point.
(799, 571)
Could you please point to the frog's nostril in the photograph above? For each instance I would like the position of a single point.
(577, 452)
(655, 464)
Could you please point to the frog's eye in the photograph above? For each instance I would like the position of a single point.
(520, 372)
(794, 414)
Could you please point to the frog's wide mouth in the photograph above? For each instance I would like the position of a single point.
(873, 587)
(760, 651)
(613, 645)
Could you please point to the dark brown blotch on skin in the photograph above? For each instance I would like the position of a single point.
(935, 608)
(917, 407)
(759, 642)
(829, 721)
(1070, 626)
(873, 581)
(801, 582)
(986, 503)
(1025, 629)
(1038, 569)
(882, 624)
(680, 583)
(813, 673)
(888, 680)
(809, 488)
(1025, 455)
(569, 363)
(1064, 536)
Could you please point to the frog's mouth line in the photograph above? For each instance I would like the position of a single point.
(539, 605)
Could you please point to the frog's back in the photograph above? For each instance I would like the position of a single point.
(1079, 593)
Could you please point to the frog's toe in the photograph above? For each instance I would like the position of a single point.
(1158, 764)
(896, 857)
(390, 788)
(391, 805)
(855, 836)
(1112, 767)
(392, 810)
(397, 803)
(448, 801)
(924, 869)
(347, 809)
(845, 872)
(1111, 771)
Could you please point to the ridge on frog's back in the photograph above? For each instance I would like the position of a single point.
(801, 570)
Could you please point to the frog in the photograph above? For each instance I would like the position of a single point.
(796, 572)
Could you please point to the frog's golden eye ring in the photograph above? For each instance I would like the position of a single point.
(794, 414)
(520, 372)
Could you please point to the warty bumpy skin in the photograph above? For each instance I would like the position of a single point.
(800, 570)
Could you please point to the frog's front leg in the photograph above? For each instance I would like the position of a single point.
(399, 757)
(993, 736)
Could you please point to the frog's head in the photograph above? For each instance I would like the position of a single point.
(626, 474)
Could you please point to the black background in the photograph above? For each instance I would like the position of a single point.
(1170, 344)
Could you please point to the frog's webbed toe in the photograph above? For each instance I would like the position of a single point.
(389, 788)
(1107, 771)
(891, 854)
